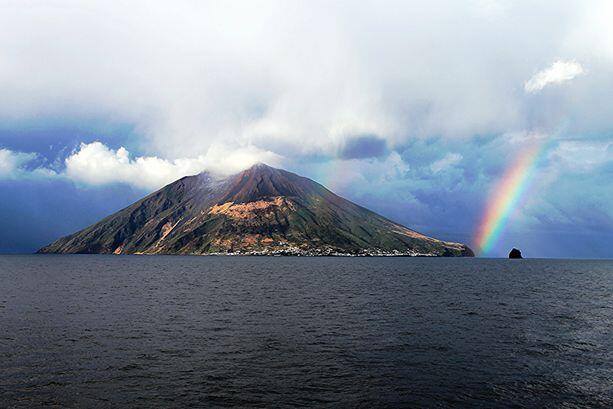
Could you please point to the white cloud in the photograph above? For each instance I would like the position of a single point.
(446, 162)
(97, 164)
(581, 156)
(9, 162)
(350, 176)
(560, 71)
(491, 8)
(12, 165)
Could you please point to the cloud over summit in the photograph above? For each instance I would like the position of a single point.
(97, 164)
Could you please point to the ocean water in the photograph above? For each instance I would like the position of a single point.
(173, 331)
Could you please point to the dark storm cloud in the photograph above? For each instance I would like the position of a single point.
(363, 146)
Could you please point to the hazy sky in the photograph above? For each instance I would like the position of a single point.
(415, 109)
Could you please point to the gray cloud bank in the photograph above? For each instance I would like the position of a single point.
(302, 78)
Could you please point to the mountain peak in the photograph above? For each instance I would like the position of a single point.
(261, 165)
(262, 181)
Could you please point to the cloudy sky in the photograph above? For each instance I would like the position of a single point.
(414, 109)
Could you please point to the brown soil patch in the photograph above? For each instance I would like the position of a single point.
(249, 210)
(166, 229)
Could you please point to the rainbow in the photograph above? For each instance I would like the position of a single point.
(505, 196)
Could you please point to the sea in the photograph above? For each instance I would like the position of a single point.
(95, 331)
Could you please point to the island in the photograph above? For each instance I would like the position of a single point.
(259, 211)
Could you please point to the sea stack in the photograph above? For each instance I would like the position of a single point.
(515, 253)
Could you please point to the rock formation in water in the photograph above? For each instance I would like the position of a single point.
(515, 253)
(262, 211)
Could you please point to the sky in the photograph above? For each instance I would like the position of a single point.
(417, 110)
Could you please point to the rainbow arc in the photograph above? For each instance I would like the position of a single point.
(505, 197)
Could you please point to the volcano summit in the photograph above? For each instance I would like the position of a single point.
(260, 211)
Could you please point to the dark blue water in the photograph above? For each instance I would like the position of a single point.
(148, 331)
